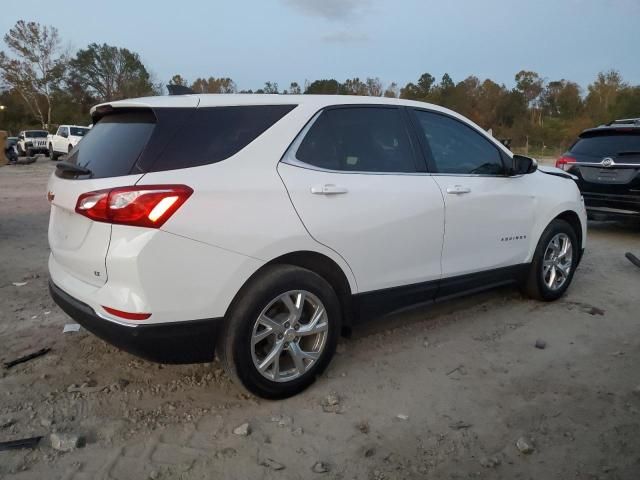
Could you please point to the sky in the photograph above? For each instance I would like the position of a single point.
(253, 41)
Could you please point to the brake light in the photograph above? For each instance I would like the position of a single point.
(565, 162)
(126, 315)
(141, 206)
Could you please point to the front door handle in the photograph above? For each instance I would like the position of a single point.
(328, 189)
(458, 190)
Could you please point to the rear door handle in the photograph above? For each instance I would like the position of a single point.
(328, 189)
(458, 190)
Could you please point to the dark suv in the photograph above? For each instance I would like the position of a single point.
(606, 160)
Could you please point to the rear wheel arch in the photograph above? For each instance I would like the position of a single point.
(320, 264)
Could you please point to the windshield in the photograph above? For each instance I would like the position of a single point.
(613, 143)
(78, 131)
(36, 134)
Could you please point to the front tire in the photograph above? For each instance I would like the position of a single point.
(554, 262)
(281, 331)
(52, 154)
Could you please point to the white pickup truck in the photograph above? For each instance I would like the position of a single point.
(65, 139)
(31, 142)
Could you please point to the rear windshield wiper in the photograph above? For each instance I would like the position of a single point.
(73, 168)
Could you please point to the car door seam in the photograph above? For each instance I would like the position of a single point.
(355, 281)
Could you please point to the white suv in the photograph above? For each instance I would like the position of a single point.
(31, 142)
(65, 138)
(262, 226)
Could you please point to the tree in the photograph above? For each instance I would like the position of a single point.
(323, 87)
(603, 94)
(627, 103)
(178, 80)
(270, 87)
(110, 73)
(294, 88)
(530, 85)
(35, 67)
(419, 91)
(374, 87)
(425, 82)
(353, 86)
(392, 91)
(214, 85)
(561, 98)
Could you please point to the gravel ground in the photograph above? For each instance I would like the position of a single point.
(456, 391)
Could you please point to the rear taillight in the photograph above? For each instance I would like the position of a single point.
(140, 206)
(565, 162)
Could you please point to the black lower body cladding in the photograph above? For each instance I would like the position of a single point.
(175, 342)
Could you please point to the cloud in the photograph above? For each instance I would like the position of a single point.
(345, 37)
(330, 9)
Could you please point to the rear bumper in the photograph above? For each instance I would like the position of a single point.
(612, 206)
(175, 342)
(37, 149)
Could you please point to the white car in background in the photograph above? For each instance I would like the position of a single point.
(65, 138)
(31, 142)
(260, 226)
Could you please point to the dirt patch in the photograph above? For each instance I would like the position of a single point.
(440, 393)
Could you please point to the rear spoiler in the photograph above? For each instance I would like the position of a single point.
(179, 90)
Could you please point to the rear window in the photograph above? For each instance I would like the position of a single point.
(613, 143)
(142, 141)
(113, 145)
(78, 131)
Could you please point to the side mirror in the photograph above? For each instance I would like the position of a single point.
(523, 165)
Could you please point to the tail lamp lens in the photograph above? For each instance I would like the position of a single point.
(141, 206)
(565, 162)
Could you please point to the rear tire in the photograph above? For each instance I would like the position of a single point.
(552, 271)
(260, 330)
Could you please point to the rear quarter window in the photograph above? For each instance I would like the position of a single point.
(142, 141)
(213, 134)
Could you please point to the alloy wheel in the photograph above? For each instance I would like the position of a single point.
(557, 261)
(289, 336)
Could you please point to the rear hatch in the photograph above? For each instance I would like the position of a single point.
(111, 153)
(607, 161)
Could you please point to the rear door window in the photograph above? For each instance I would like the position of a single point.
(359, 139)
(113, 145)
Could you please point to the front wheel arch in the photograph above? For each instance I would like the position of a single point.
(572, 219)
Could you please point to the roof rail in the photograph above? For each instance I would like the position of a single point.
(625, 121)
(179, 90)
